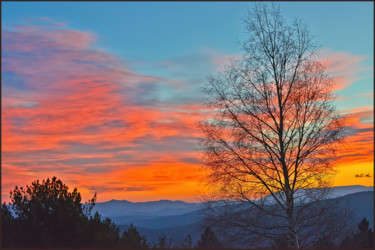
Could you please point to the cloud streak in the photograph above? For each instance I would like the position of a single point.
(78, 112)
(69, 109)
(344, 68)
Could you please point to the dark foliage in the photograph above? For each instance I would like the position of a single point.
(281, 242)
(163, 243)
(101, 233)
(132, 239)
(362, 238)
(9, 228)
(325, 242)
(46, 214)
(208, 240)
(188, 243)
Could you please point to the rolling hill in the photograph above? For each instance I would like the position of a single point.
(177, 219)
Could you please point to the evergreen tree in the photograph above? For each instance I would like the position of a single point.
(362, 238)
(208, 240)
(101, 233)
(47, 214)
(9, 228)
(188, 243)
(325, 242)
(163, 243)
(281, 242)
(132, 239)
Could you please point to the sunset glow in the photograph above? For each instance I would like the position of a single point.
(127, 128)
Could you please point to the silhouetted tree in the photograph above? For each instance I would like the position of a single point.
(46, 214)
(9, 231)
(281, 242)
(132, 239)
(101, 233)
(163, 243)
(362, 238)
(325, 242)
(273, 129)
(188, 243)
(208, 240)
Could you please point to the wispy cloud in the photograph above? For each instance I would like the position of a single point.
(78, 112)
(362, 175)
(343, 67)
(69, 109)
(359, 131)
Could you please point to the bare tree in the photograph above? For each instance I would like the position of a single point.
(271, 138)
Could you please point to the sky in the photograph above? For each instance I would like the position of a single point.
(107, 95)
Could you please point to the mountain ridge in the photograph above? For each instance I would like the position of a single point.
(186, 202)
(178, 227)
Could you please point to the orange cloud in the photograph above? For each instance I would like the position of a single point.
(76, 112)
(343, 67)
(68, 110)
(356, 153)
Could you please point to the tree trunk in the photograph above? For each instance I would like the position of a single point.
(293, 236)
(294, 243)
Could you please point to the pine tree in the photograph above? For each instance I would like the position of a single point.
(132, 239)
(188, 243)
(163, 243)
(208, 240)
(281, 242)
(362, 238)
(101, 233)
(9, 227)
(325, 242)
(47, 214)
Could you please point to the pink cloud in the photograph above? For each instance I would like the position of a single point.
(68, 92)
(342, 66)
(221, 61)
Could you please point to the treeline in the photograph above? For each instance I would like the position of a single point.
(46, 214)
(363, 237)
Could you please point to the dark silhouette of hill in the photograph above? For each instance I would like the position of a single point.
(177, 234)
(345, 190)
(174, 219)
(178, 226)
(362, 204)
(123, 210)
(116, 208)
(163, 222)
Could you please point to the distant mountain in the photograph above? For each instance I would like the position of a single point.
(116, 208)
(307, 195)
(177, 234)
(179, 226)
(362, 204)
(177, 219)
(345, 190)
(161, 222)
(124, 212)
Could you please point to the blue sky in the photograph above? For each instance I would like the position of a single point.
(147, 32)
(164, 29)
(143, 65)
